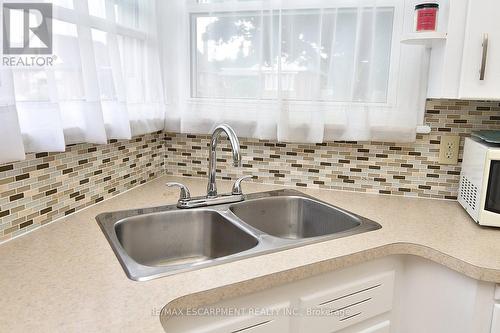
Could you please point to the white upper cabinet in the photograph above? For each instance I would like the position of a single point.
(466, 64)
(481, 59)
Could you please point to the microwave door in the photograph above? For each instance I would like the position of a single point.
(492, 203)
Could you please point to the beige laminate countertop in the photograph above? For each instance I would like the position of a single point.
(65, 277)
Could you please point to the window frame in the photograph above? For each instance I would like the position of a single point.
(84, 23)
(80, 18)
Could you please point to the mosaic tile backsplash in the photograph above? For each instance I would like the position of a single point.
(375, 167)
(48, 186)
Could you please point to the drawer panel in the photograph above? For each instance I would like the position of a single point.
(267, 326)
(247, 325)
(340, 307)
(383, 327)
(275, 321)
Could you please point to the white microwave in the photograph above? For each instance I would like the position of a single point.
(479, 191)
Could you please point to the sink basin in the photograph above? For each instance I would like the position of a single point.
(294, 217)
(160, 241)
(181, 237)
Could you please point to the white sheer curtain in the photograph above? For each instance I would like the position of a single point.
(11, 147)
(295, 70)
(105, 82)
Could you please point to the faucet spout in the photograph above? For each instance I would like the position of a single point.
(235, 146)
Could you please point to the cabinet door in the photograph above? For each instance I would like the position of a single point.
(495, 324)
(482, 23)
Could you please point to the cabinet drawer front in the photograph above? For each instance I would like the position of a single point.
(248, 325)
(267, 319)
(266, 326)
(337, 308)
(383, 327)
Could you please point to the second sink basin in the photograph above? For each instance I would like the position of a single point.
(294, 217)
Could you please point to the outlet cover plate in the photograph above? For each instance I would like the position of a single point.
(449, 148)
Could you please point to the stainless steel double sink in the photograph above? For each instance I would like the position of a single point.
(156, 242)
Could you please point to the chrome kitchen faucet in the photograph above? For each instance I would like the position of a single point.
(235, 145)
(212, 198)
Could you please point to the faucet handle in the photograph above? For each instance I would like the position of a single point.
(185, 195)
(237, 185)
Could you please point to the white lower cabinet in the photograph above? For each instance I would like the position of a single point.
(390, 295)
(354, 300)
(495, 323)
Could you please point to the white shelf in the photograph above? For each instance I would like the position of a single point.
(428, 39)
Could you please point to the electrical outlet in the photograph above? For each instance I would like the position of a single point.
(448, 150)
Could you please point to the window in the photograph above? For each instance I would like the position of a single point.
(314, 54)
(294, 70)
(291, 70)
